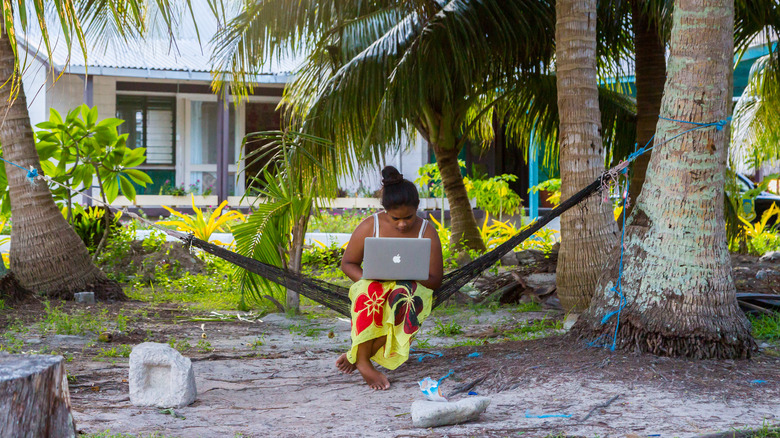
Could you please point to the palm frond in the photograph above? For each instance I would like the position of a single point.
(531, 117)
(755, 133)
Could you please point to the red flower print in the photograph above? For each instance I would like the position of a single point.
(406, 306)
(368, 307)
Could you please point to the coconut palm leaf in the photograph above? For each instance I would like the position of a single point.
(755, 133)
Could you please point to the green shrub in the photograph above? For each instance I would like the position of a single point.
(89, 223)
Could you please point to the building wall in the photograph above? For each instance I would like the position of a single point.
(104, 95)
(64, 94)
(34, 85)
(408, 160)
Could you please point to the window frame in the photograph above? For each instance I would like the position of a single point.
(143, 100)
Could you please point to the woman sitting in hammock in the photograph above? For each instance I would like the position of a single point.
(386, 314)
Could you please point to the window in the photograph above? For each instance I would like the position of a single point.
(150, 122)
(204, 133)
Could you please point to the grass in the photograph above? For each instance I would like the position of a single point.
(530, 306)
(79, 322)
(304, 330)
(204, 346)
(179, 345)
(446, 329)
(766, 327)
(199, 292)
(119, 351)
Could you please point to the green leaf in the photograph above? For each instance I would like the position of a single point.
(134, 157)
(111, 186)
(127, 188)
(92, 116)
(139, 177)
(109, 123)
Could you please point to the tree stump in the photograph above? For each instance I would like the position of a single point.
(34, 397)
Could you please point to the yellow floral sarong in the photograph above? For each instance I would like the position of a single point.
(395, 309)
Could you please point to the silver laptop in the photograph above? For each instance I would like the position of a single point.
(396, 258)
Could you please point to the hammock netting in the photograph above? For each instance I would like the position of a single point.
(336, 297)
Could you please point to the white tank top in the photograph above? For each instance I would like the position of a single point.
(376, 226)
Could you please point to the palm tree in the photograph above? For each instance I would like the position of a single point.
(651, 20)
(47, 256)
(676, 294)
(588, 233)
(650, 74)
(376, 72)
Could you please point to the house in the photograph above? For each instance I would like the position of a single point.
(163, 92)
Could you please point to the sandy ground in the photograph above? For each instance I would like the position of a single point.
(289, 387)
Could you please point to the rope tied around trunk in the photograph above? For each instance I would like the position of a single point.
(32, 172)
(623, 168)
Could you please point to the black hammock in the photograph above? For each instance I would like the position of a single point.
(337, 297)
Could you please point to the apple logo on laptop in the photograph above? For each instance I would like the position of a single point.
(397, 258)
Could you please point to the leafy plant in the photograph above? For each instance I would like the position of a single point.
(553, 187)
(204, 346)
(766, 327)
(120, 351)
(90, 224)
(344, 222)
(199, 225)
(447, 329)
(491, 194)
(77, 150)
(170, 189)
(81, 148)
(494, 195)
(760, 237)
(274, 233)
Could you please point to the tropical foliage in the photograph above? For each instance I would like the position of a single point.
(374, 71)
(492, 194)
(201, 226)
(274, 231)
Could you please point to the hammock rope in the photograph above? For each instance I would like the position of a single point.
(336, 297)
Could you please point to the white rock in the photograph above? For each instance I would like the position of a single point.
(771, 256)
(571, 318)
(432, 414)
(160, 376)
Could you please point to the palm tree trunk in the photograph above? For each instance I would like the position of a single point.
(463, 226)
(293, 299)
(47, 256)
(589, 232)
(680, 296)
(650, 77)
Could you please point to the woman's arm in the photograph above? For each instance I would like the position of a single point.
(353, 255)
(436, 270)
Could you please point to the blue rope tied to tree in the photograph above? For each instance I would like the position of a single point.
(617, 289)
(32, 172)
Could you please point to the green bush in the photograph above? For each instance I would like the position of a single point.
(89, 223)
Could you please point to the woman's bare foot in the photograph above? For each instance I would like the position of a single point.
(343, 364)
(374, 378)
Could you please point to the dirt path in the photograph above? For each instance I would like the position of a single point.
(288, 386)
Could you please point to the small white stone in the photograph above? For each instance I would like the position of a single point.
(571, 318)
(432, 414)
(771, 256)
(160, 376)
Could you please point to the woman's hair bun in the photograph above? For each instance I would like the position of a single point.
(391, 175)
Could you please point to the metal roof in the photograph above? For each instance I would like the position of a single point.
(155, 57)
